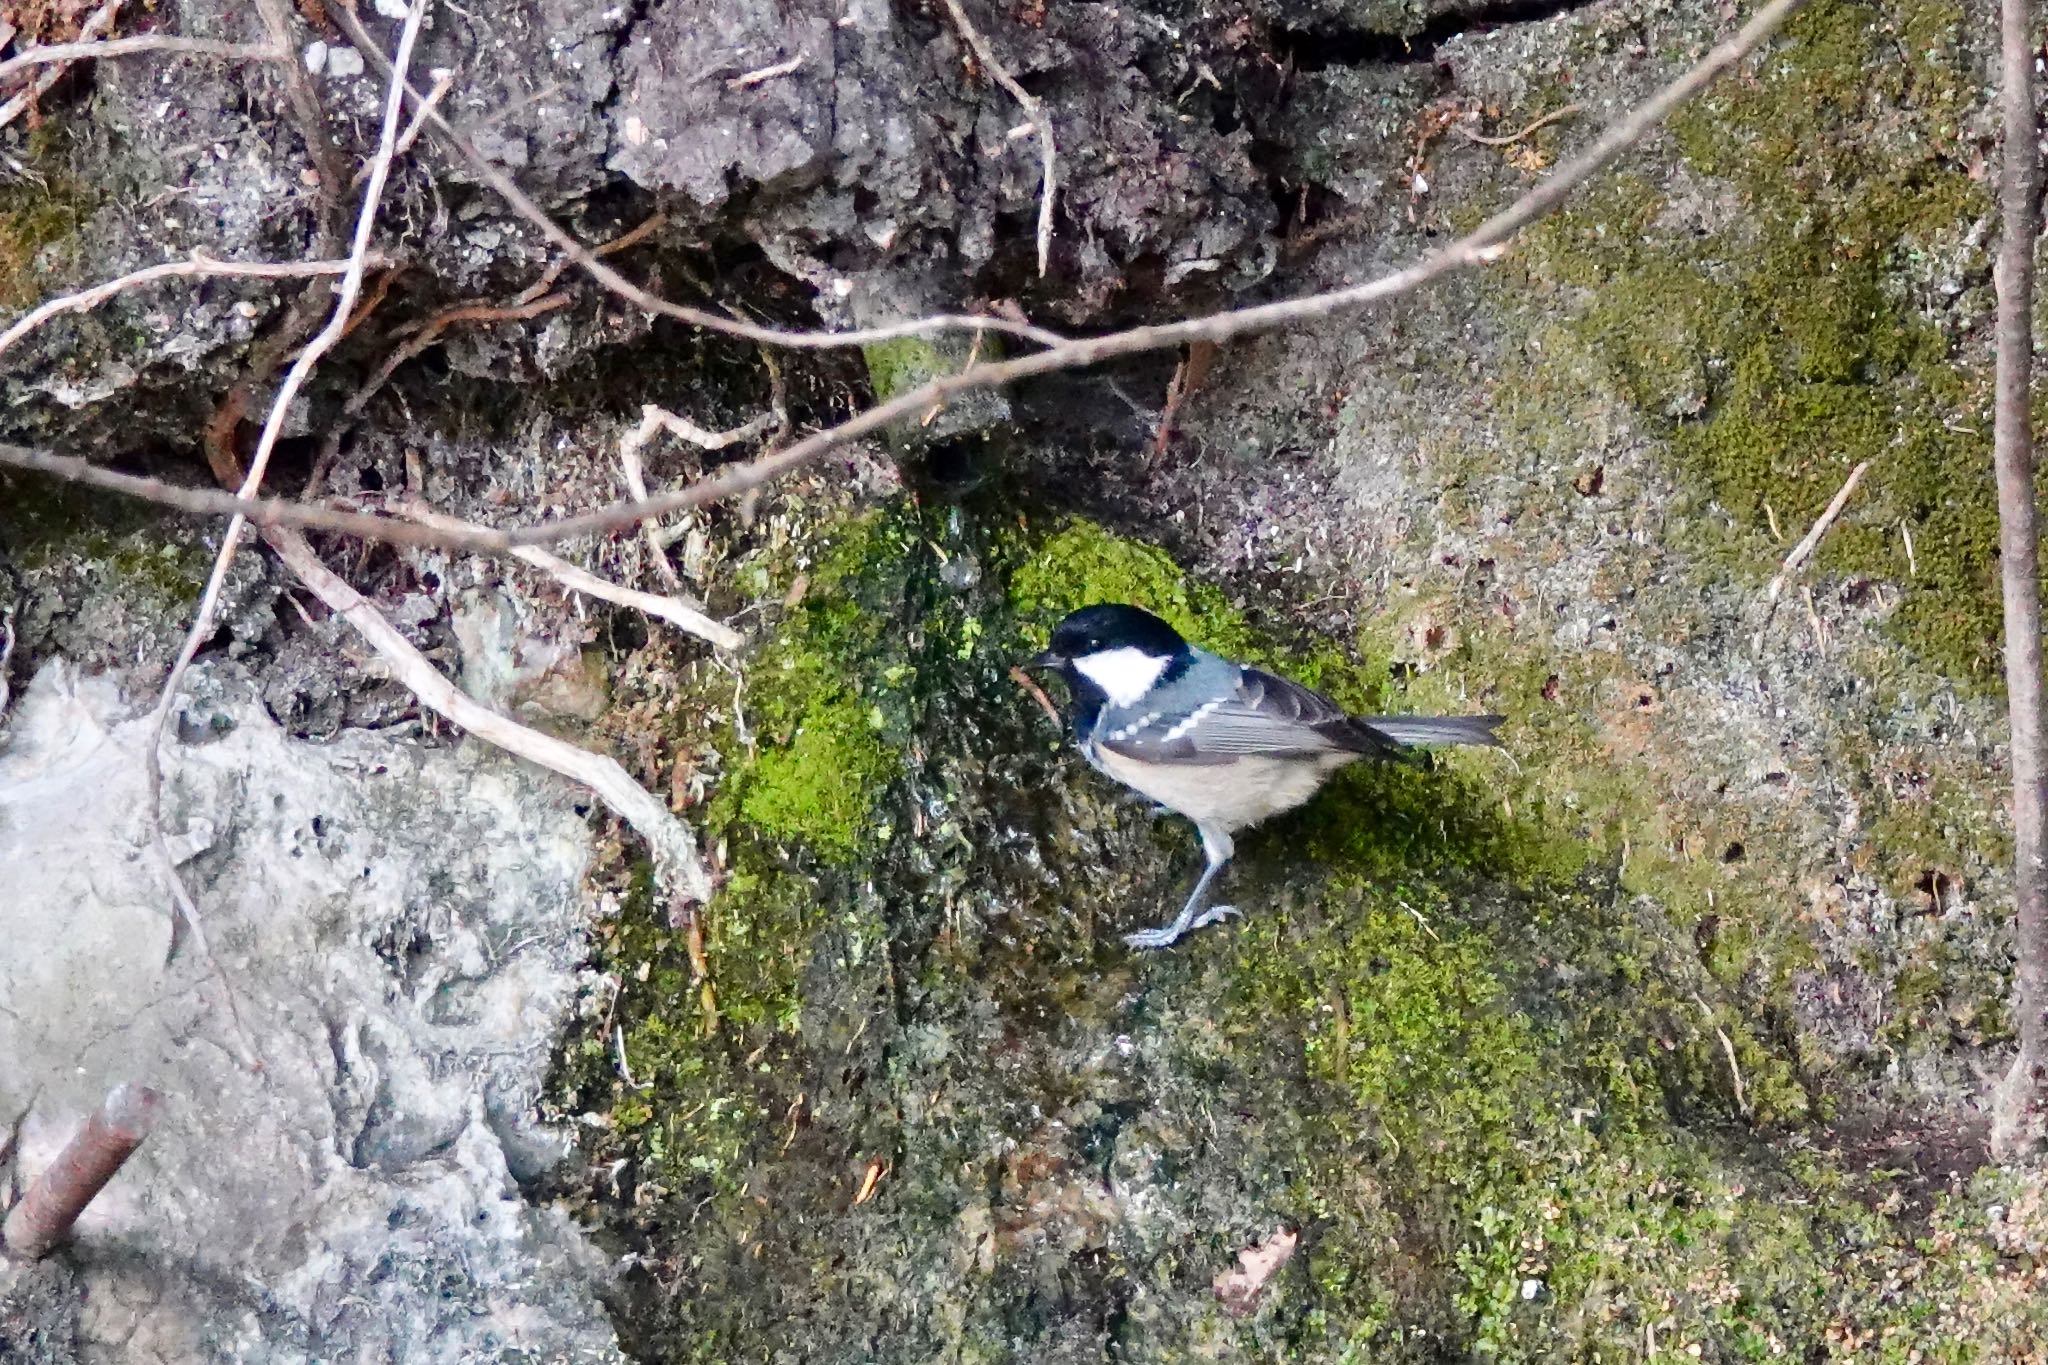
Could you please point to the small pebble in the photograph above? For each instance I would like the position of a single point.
(316, 56)
(344, 62)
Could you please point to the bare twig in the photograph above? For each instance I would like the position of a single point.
(523, 204)
(46, 1214)
(1483, 246)
(443, 83)
(1806, 546)
(654, 419)
(1512, 138)
(98, 22)
(679, 614)
(209, 602)
(1728, 1050)
(198, 265)
(766, 73)
(148, 42)
(1037, 694)
(630, 238)
(625, 1069)
(1048, 174)
(676, 859)
(312, 125)
(2016, 1127)
(425, 338)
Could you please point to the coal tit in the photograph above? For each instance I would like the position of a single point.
(1220, 743)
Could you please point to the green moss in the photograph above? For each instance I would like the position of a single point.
(118, 543)
(1081, 564)
(37, 212)
(1490, 1083)
(900, 365)
(829, 729)
(1785, 346)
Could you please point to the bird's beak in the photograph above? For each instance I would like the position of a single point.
(1043, 659)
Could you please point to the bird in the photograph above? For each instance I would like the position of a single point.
(1221, 743)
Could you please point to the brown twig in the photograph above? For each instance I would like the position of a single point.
(1037, 694)
(198, 265)
(528, 303)
(1727, 1050)
(1482, 246)
(1512, 138)
(2016, 1117)
(1187, 378)
(311, 121)
(46, 1214)
(523, 204)
(1048, 173)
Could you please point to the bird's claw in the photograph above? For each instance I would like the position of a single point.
(1166, 935)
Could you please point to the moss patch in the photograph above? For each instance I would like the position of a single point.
(37, 212)
(945, 1113)
(1808, 323)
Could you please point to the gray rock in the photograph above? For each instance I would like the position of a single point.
(397, 933)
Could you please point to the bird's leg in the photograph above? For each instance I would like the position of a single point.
(1217, 848)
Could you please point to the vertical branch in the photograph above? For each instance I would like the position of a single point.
(2016, 1120)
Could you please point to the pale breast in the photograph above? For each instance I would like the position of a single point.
(1228, 796)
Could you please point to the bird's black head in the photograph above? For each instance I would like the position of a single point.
(1110, 626)
(1112, 652)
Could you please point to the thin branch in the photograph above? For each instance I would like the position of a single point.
(766, 73)
(209, 602)
(311, 121)
(524, 205)
(148, 42)
(1512, 138)
(47, 1213)
(681, 615)
(1037, 694)
(1806, 546)
(1048, 175)
(198, 265)
(2016, 1119)
(1481, 247)
(443, 83)
(676, 859)
(1727, 1050)
(655, 419)
(98, 22)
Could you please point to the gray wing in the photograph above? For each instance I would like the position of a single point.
(1263, 716)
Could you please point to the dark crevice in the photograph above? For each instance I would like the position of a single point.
(1315, 49)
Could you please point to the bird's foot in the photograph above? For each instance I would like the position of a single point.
(1166, 935)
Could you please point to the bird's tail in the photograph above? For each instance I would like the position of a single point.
(1433, 729)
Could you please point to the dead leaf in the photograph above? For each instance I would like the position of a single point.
(1239, 1289)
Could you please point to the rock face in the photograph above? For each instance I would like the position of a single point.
(349, 1081)
(1666, 1036)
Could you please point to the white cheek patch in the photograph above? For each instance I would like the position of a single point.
(1124, 674)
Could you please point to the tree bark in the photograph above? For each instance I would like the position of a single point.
(2017, 1113)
